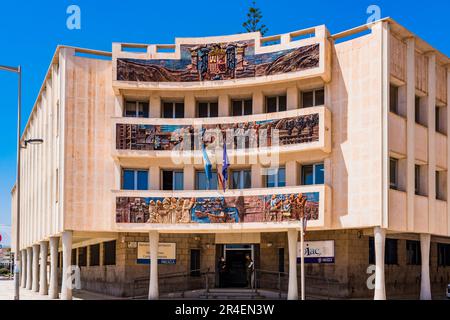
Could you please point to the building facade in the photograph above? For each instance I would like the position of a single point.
(345, 133)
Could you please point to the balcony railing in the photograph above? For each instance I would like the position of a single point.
(289, 131)
(257, 209)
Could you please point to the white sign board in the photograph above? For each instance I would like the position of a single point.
(166, 253)
(317, 251)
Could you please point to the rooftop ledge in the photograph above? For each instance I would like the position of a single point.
(216, 211)
(225, 61)
(309, 129)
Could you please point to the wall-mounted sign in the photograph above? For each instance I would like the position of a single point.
(317, 251)
(166, 253)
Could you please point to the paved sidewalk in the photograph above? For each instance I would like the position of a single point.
(7, 293)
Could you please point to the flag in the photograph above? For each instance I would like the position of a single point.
(208, 166)
(225, 165)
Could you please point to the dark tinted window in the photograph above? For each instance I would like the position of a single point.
(109, 253)
(413, 256)
(167, 110)
(391, 251)
(271, 104)
(82, 257)
(94, 257)
(393, 103)
(308, 99)
(195, 263)
(203, 110)
(179, 110)
(443, 254)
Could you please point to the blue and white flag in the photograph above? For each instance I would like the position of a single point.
(208, 166)
(225, 165)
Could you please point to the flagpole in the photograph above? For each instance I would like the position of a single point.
(302, 260)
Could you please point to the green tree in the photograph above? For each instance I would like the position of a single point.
(253, 23)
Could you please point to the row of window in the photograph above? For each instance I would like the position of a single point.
(420, 114)
(419, 172)
(109, 255)
(209, 109)
(135, 179)
(413, 253)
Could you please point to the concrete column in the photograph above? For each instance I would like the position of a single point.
(155, 107)
(35, 283)
(66, 286)
(257, 178)
(189, 177)
(23, 263)
(293, 285)
(258, 102)
(189, 106)
(410, 129)
(425, 286)
(155, 178)
(292, 98)
(53, 288)
(380, 239)
(224, 105)
(153, 290)
(43, 288)
(29, 267)
(431, 109)
(292, 174)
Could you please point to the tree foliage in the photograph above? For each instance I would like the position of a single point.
(253, 22)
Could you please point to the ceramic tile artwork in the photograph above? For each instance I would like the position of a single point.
(218, 61)
(294, 130)
(235, 209)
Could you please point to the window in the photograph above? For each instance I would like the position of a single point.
(94, 258)
(313, 98)
(276, 104)
(241, 107)
(393, 173)
(417, 179)
(393, 103)
(134, 179)
(440, 185)
(241, 179)
(371, 251)
(74, 256)
(109, 253)
(413, 252)
(136, 109)
(172, 180)
(390, 252)
(276, 178)
(207, 110)
(201, 181)
(417, 110)
(195, 263)
(438, 115)
(82, 257)
(443, 254)
(173, 110)
(313, 174)
(280, 259)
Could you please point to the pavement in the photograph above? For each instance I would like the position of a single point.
(7, 293)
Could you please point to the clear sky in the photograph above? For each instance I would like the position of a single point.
(31, 30)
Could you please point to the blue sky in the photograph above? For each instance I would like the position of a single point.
(31, 30)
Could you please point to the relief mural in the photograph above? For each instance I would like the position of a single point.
(218, 61)
(295, 130)
(264, 208)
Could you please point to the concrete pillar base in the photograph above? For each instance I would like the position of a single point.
(153, 290)
(53, 286)
(293, 284)
(425, 286)
(29, 267)
(380, 239)
(66, 285)
(43, 287)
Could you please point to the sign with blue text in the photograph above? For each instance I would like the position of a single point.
(317, 251)
(166, 253)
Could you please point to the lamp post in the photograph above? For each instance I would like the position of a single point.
(17, 70)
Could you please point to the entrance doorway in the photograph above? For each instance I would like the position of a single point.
(234, 255)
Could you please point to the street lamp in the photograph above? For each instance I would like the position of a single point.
(17, 70)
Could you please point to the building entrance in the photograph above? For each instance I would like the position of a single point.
(234, 254)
